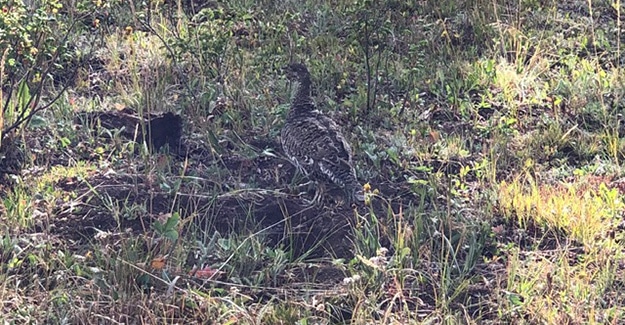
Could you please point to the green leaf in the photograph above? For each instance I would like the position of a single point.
(515, 299)
(172, 221)
(169, 229)
(212, 138)
(38, 122)
(23, 95)
(224, 243)
(65, 142)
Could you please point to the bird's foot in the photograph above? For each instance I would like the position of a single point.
(317, 199)
(304, 185)
(359, 196)
(300, 190)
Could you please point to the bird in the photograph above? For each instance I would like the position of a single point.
(313, 142)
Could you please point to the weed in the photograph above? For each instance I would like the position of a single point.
(488, 135)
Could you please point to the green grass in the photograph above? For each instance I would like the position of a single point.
(489, 134)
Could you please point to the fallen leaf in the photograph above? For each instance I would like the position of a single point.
(158, 263)
(206, 273)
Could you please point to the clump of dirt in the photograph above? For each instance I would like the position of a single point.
(287, 219)
(160, 129)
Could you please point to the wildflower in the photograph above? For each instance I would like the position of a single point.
(350, 280)
(378, 261)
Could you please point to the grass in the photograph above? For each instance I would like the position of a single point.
(489, 134)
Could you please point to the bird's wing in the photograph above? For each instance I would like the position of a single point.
(329, 139)
(315, 139)
(328, 148)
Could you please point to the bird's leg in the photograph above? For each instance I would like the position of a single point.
(354, 196)
(296, 186)
(319, 191)
(318, 197)
(301, 188)
(298, 176)
(307, 184)
(304, 187)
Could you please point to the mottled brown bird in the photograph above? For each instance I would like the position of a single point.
(313, 141)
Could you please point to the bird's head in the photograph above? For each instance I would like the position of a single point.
(296, 72)
(300, 82)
